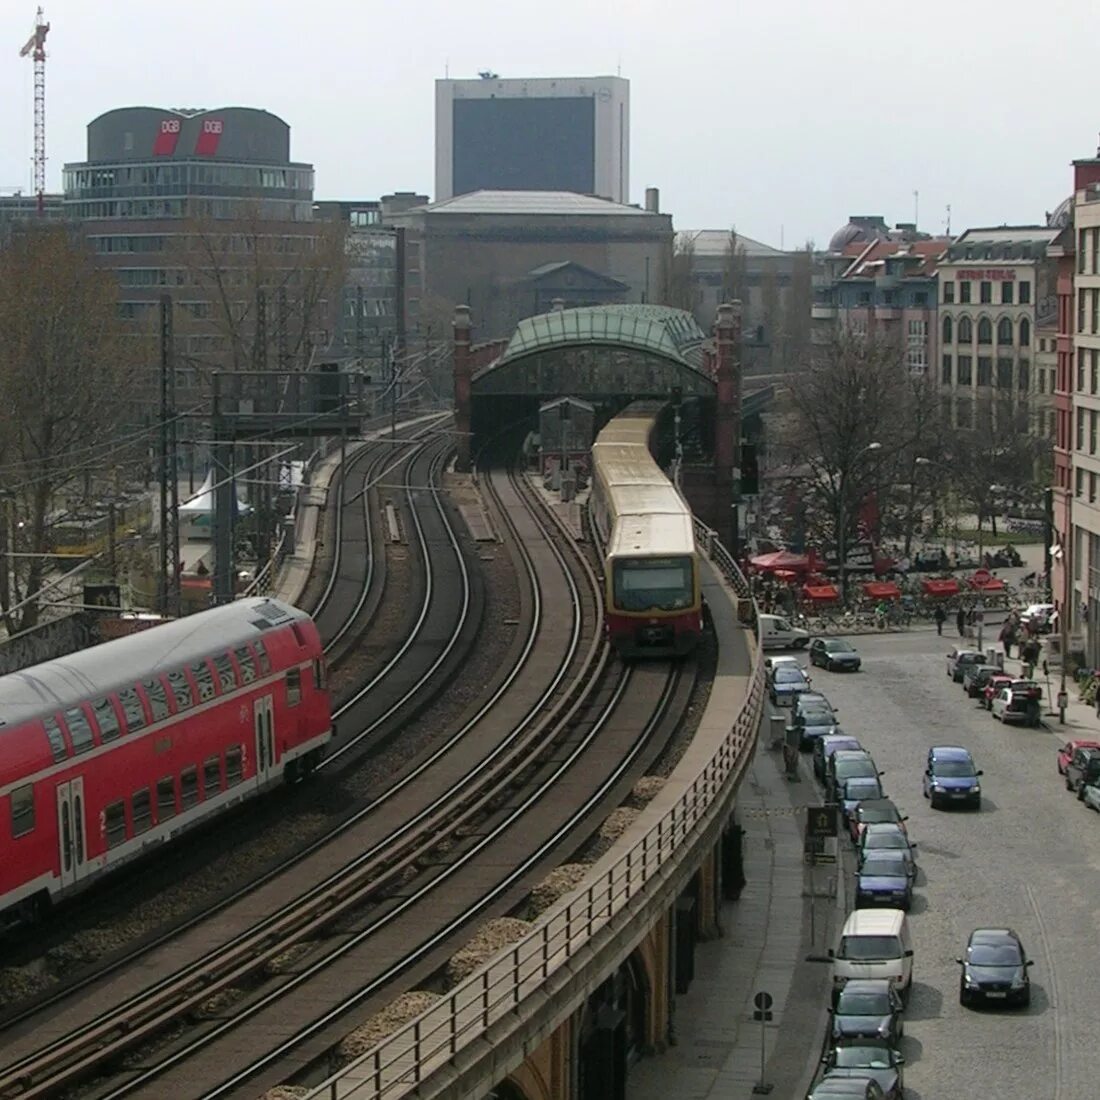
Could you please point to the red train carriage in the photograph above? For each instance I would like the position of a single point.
(653, 605)
(122, 747)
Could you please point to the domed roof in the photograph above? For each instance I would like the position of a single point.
(1061, 215)
(860, 228)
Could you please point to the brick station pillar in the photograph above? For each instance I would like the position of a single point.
(727, 420)
(462, 371)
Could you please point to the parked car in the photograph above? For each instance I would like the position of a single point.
(868, 1008)
(885, 878)
(994, 968)
(772, 663)
(871, 812)
(842, 1087)
(1039, 616)
(812, 724)
(1065, 753)
(1082, 770)
(957, 660)
(824, 747)
(853, 791)
(1018, 702)
(992, 686)
(786, 683)
(975, 677)
(887, 837)
(834, 655)
(847, 764)
(808, 700)
(868, 1057)
(1090, 795)
(950, 777)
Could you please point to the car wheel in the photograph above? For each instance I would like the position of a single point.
(1081, 793)
(1069, 785)
(933, 801)
(964, 998)
(1025, 1000)
(977, 803)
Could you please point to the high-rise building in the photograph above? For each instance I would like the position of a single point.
(547, 134)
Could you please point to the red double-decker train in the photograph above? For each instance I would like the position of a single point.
(122, 747)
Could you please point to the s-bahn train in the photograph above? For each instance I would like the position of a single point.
(652, 602)
(122, 747)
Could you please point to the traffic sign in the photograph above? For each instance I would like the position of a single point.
(763, 1001)
(820, 821)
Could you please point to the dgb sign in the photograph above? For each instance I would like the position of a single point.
(820, 821)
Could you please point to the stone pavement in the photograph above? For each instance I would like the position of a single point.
(717, 1044)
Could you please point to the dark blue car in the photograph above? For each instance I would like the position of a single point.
(884, 878)
(950, 778)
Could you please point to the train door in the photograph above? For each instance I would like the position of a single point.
(263, 721)
(70, 831)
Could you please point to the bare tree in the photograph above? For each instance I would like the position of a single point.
(680, 282)
(66, 368)
(735, 274)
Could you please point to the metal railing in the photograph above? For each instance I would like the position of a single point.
(409, 1056)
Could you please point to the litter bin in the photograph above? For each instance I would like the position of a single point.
(777, 728)
(995, 657)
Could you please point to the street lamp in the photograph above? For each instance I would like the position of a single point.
(841, 539)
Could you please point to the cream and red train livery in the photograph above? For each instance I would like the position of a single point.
(651, 570)
(123, 746)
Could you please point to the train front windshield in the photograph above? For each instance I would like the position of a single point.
(653, 584)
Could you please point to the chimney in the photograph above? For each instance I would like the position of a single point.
(557, 305)
(652, 200)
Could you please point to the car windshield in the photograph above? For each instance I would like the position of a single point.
(819, 718)
(849, 744)
(858, 789)
(855, 1057)
(785, 674)
(875, 815)
(854, 766)
(839, 647)
(890, 866)
(869, 948)
(863, 1004)
(953, 769)
(885, 840)
(995, 954)
(658, 583)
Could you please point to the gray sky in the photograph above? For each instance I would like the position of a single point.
(777, 116)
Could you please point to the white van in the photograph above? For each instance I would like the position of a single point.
(874, 943)
(776, 632)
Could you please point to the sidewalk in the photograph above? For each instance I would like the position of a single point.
(767, 937)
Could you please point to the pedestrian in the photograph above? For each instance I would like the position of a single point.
(1029, 651)
(939, 615)
(960, 621)
(971, 622)
(1007, 636)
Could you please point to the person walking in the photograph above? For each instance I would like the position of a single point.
(1007, 636)
(960, 621)
(939, 615)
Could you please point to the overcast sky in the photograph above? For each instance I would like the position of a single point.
(780, 117)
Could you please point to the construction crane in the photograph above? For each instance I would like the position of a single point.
(36, 50)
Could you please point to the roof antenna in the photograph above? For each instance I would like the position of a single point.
(916, 210)
(947, 227)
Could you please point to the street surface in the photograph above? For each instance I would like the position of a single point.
(1029, 859)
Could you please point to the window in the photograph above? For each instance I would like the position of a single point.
(964, 291)
(1006, 293)
(1078, 490)
(1025, 293)
(80, 730)
(948, 291)
(262, 657)
(55, 738)
(1092, 488)
(1081, 239)
(985, 370)
(189, 787)
(132, 709)
(1080, 429)
(158, 699)
(211, 776)
(22, 810)
(1092, 431)
(205, 680)
(1095, 310)
(1004, 373)
(1024, 380)
(945, 370)
(320, 679)
(141, 811)
(966, 330)
(115, 819)
(293, 687)
(985, 331)
(985, 292)
(1041, 379)
(948, 330)
(246, 663)
(106, 719)
(181, 689)
(234, 769)
(226, 676)
(1094, 369)
(166, 798)
(965, 362)
(1081, 372)
(1025, 333)
(920, 298)
(1004, 332)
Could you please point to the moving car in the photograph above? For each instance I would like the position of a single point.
(854, 791)
(846, 1088)
(869, 1008)
(887, 838)
(786, 683)
(868, 1057)
(1083, 770)
(845, 764)
(994, 968)
(957, 660)
(1065, 753)
(874, 812)
(950, 777)
(824, 747)
(885, 878)
(834, 654)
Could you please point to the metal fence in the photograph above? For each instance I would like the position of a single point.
(408, 1057)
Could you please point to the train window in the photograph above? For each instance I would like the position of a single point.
(246, 662)
(80, 730)
(265, 661)
(158, 699)
(141, 810)
(211, 776)
(320, 679)
(132, 708)
(226, 677)
(106, 719)
(293, 686)
(234, 766)
(56, 739)
(181, 689)
(22, 810)
(189, 786)
(166, 798)
(115, 819)
(205, 679)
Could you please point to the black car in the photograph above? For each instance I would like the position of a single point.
(975, 677)
(845, 764)
(885, 878)
(824, 747)
(832, 1087)
(868, 1008)
(1083, 768)
(867, 1058)
(874, 812)
(994, 968)
(812, 724)
(834, 654)
(856, 790)
(810, 700)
